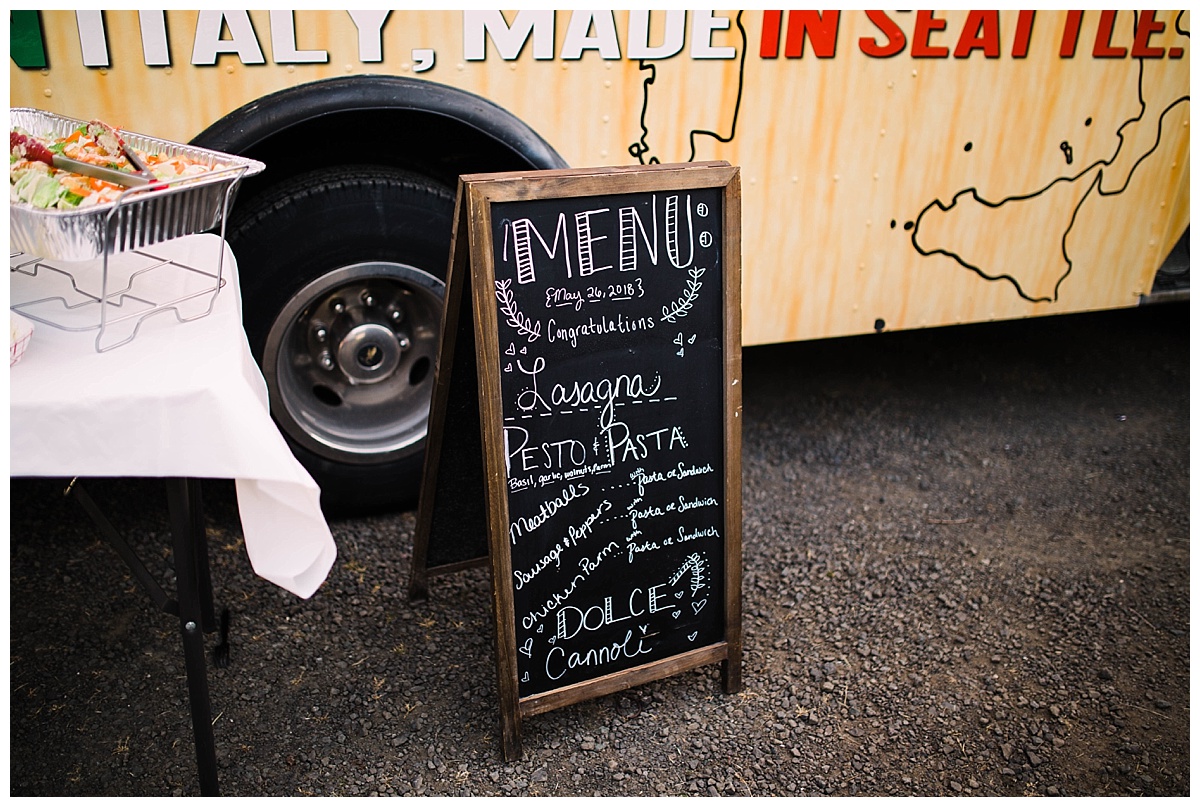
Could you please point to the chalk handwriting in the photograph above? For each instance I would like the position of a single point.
(589, 565)
(591, 227)
(573, 537)
(643, 478)
(522, 229)
(624, 445)
(673, 232)
(597, 326)
(611, 428)
(558, 455)
(529, 400)
(705, 532)
(558, 661)
(522, 524)
(605, 392)
(689, 504)
(559, 297)
(552, 602)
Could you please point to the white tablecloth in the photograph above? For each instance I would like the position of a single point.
(180, 400)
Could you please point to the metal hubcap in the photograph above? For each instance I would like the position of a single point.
(349, 361)
(370, 353)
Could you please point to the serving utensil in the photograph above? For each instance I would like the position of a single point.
(37, 151)
(129, 153)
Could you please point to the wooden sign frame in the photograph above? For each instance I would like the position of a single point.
(468, 375)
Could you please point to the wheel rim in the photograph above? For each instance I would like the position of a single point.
(349, 361)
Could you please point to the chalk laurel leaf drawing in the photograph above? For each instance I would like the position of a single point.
(680, 308)
(508, 306)
(695, 562)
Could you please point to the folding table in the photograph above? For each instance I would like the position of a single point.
(182, 401)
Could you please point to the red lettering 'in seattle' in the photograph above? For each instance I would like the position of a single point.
(1147, 26)
(888, 27)
(1104, 49)
(980, 31)
(926, 24)
(819, 28)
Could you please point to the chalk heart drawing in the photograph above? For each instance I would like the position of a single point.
(692, 636)
(678, 594)
(675, 614)
(527, 648)
(699, 605)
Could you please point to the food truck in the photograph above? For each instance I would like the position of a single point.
(899, 169)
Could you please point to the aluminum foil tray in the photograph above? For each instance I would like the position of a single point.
(140, 217)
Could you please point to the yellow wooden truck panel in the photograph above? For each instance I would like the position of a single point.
(899, 169)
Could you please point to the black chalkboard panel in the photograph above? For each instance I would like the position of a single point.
(606, 313)
(610, 348)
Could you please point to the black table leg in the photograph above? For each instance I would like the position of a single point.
(195, 616)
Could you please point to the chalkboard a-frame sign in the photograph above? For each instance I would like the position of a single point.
(587, 420)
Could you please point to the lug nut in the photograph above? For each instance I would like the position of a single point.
(403, 342)
(367, 299)
(397, 314)
(326, 361)
(320, 333)
(338, 306)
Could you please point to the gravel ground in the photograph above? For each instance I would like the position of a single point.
(966, 572)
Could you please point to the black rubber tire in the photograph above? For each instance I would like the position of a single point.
(307, 226)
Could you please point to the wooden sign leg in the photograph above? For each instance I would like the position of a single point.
(510, 734)
(418, 583)
(731, 673)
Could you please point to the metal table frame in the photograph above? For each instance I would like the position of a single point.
(193, 603)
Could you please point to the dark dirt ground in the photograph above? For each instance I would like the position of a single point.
(966, 556)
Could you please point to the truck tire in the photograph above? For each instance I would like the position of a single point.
(342, 275)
